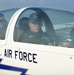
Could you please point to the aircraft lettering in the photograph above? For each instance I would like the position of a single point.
(23, 56)
(29, 57)
(8, 53)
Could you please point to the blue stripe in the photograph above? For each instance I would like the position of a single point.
(0, 59)
(12, 68)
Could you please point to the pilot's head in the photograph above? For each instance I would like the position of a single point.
(35, 22)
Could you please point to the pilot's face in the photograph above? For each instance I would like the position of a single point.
(34, 27)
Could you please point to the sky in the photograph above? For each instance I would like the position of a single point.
(67, 5)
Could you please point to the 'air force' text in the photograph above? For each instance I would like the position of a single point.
(24, 56)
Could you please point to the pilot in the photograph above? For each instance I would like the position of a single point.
(3, 26)
(35, 34)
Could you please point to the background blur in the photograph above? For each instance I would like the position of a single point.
(67, 5)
